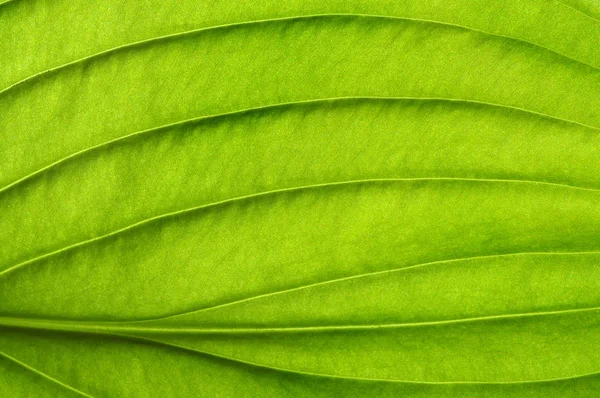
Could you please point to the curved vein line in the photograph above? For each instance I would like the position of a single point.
(42, 374)
(343, 377)
(578, 11)
(6, 2)
(334, 376)
(284, 190)
(329, 328)
(112, 328)
(327, 282)
(357, 276)
(151, 130)
(272, 20)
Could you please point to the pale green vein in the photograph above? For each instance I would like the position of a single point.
(360, 276)
(109, 328)
(280, 105)
(44, 375)
(6, 2)
(578, 11)
(332, 376)
(347, 377)
(350, 278)
(279, 191)
(271, 20)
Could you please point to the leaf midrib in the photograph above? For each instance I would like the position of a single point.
(116, 328)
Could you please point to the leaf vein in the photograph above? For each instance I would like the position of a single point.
(347, 377)
(364, 275)
(248, 363)
(280, 191)
(578, 10)
(112, 328)
(44, 375)
(271, 20)
(237, 113)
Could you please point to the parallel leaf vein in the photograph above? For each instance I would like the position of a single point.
(280, 191)
(44, 375)
(348, 377)
(271, 20)
(110, 328)
(249, 363)
(578, 10)
(363, 275)
(154, 130)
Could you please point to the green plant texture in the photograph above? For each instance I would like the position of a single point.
(300, 198)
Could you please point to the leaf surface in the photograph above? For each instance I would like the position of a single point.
(300, 198)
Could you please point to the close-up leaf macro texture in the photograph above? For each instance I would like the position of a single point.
(300, 198)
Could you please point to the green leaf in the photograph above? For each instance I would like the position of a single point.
(308, 198)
